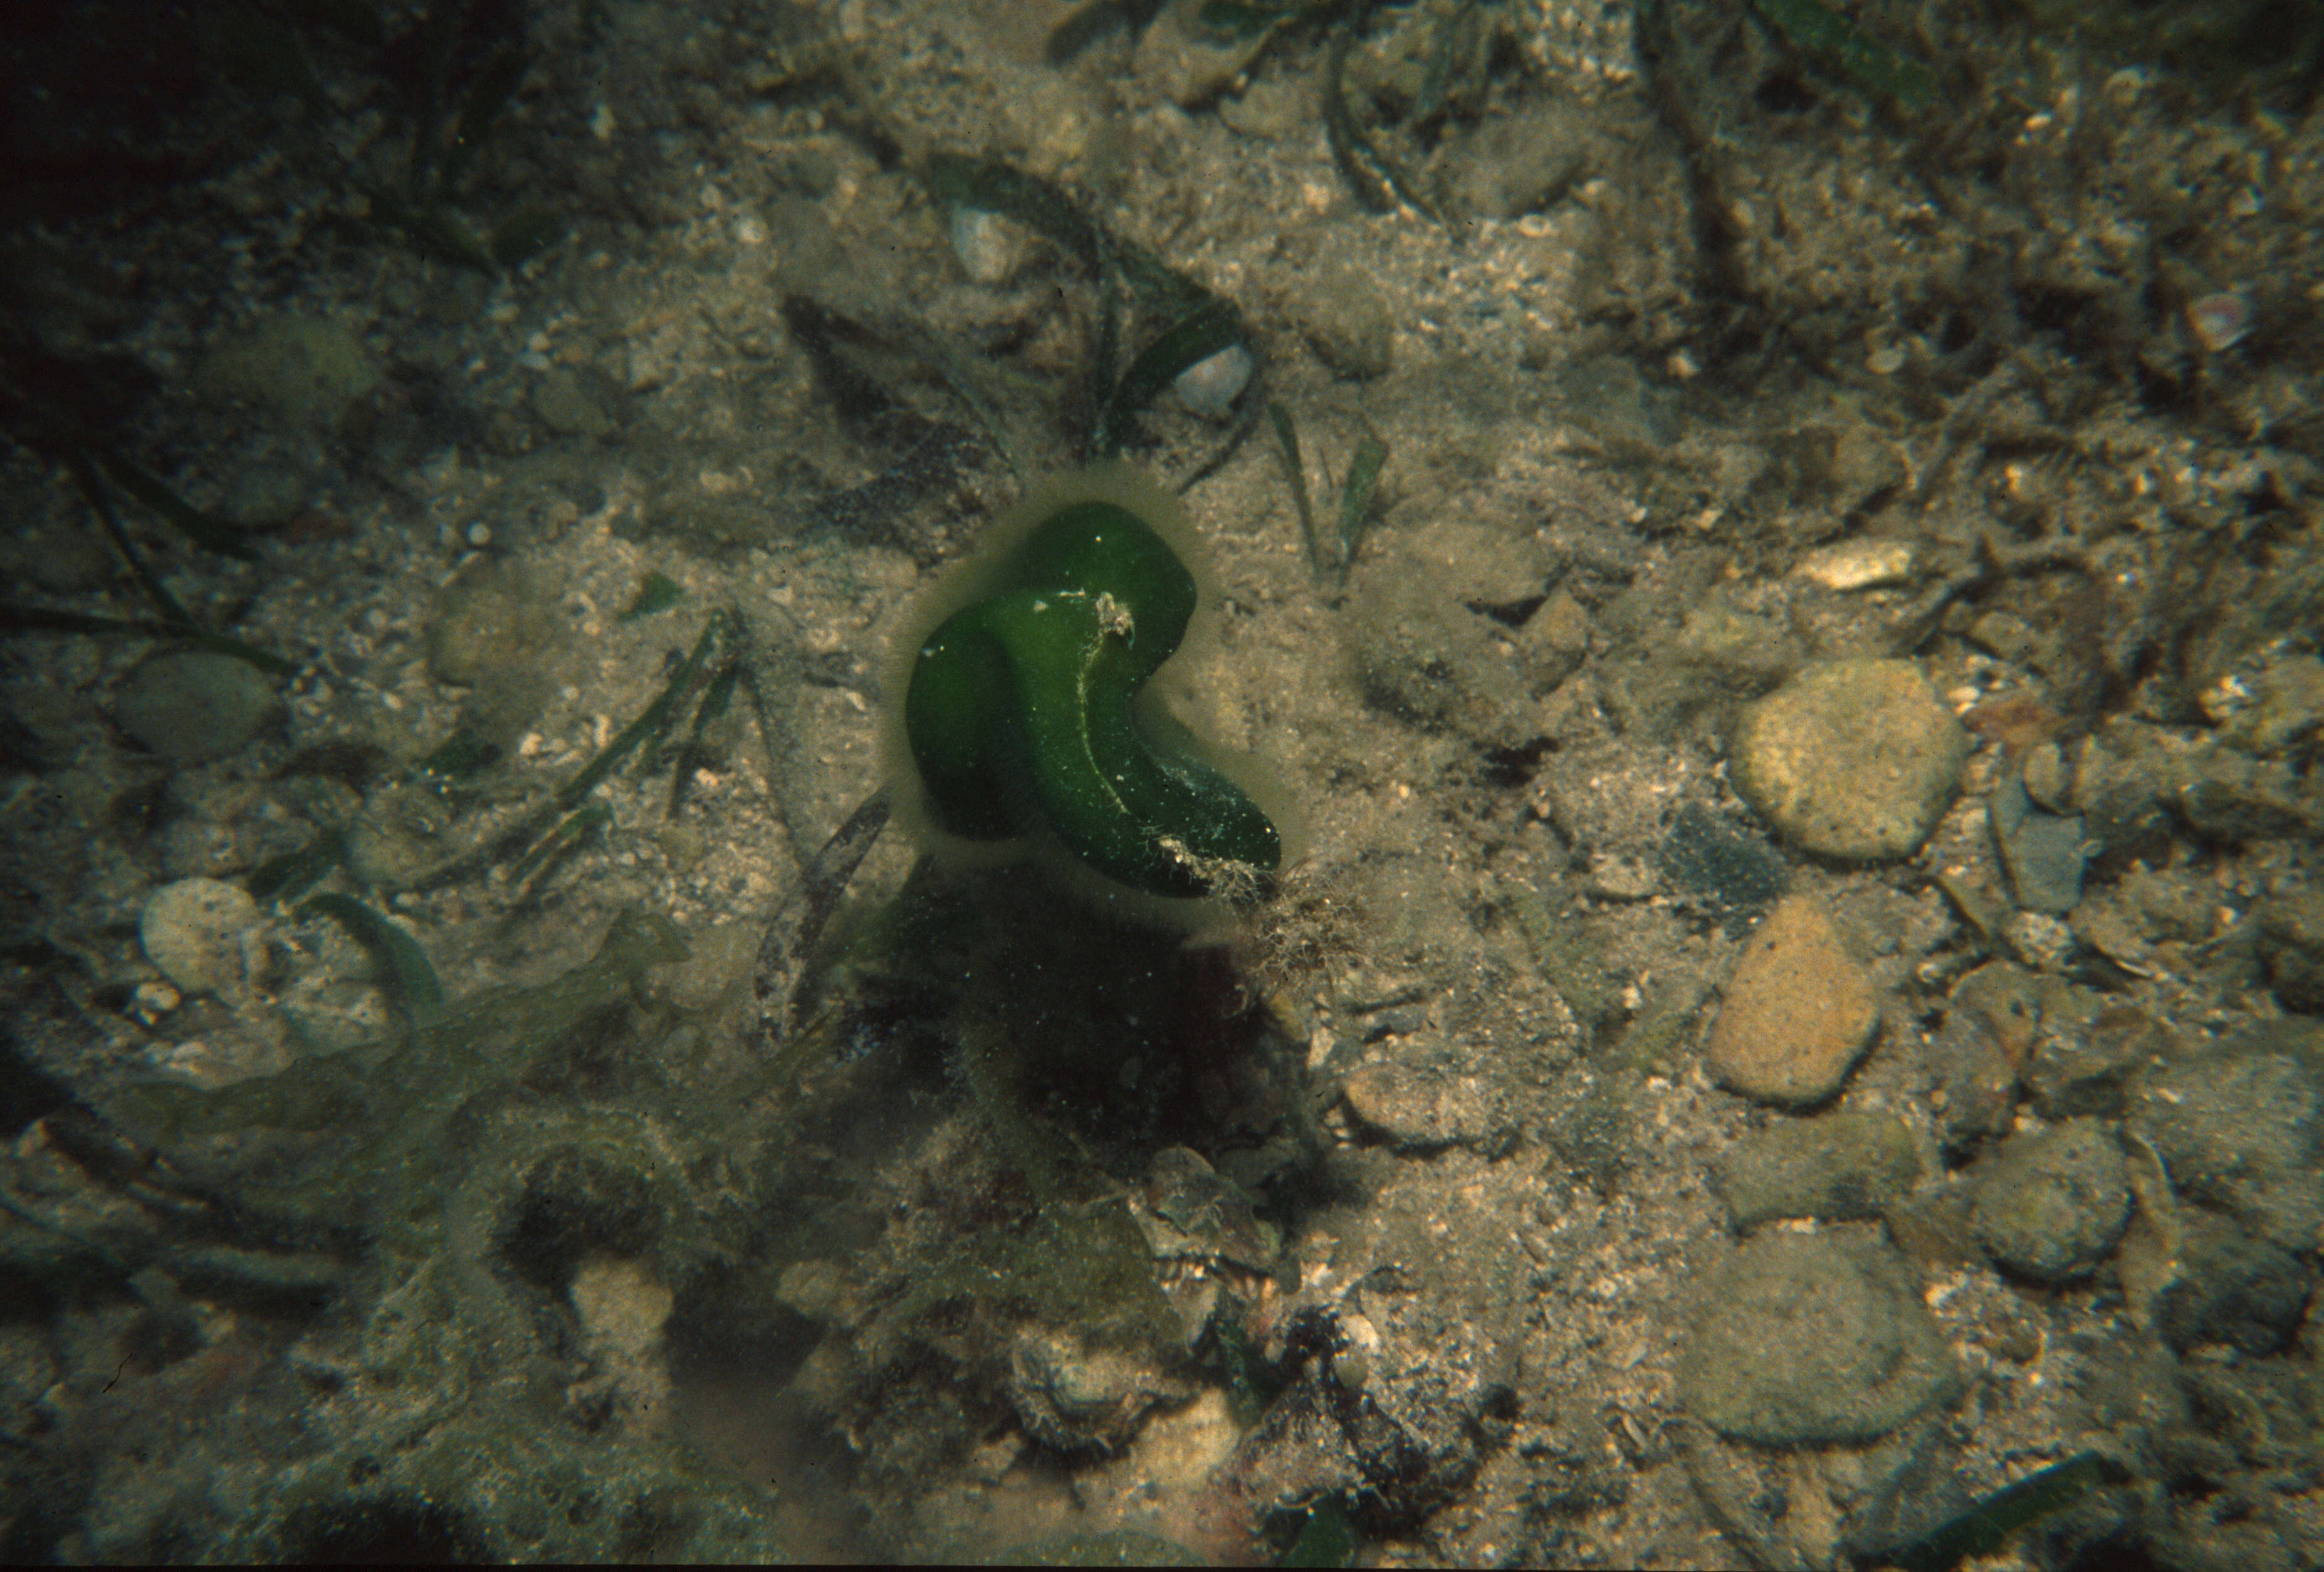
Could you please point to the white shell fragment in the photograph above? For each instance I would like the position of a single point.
(1210, 387)
(1858, 564)
(2221, 320)
(987, 246)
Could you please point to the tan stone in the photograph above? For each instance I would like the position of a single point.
(1426, 1104)
(1857, 759)
(1798, 1010)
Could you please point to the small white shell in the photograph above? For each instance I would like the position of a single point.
(2219, 321)
(987, 245)
(1858, 564)
(1210, 387)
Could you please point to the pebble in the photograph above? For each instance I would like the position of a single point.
(1812, 1338)
(2241, 1128)
(1347, 322)
(1210, 387)
(567, 408)
(193, 707)
(1555, 640)
(2220, 319)
(1490, 570)
(1848, 1164)
(1933, 1225)
(1424, 657)
(488, 620)
(308, 371)
(2233, 1288)
(1192, 67)
(620, 1304)
(2286, 707)
(2083, 1066)
(1268, 109)
(2049, 778)
(223, 1057)
(1858, 564)
(818, 1291)
(1619, 878)
(2041, 852)
(2291, 945)
(2226, 796)
(2052, 1204)
(1426, 1104)
(623, 1307)
(987, 246)
(1749, 649)
(1609, 396)
(1974, 1087)
(1857, 759)
(2039, 940)
(195, 930)
(1798, 1011)
(1519, 163)
(2007, 1002)
(1188, 1211)
(1723, 862)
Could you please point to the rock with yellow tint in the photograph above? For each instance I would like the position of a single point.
(1798, 1010)
(1857, 759)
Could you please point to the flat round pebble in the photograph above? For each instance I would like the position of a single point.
(1857, 759)
(192, 706)
(193, 930)
(488, 620)
(1810, 1338)
(1798, 1010)
(1426, 1105)
(566, 407)
(2053, 1204)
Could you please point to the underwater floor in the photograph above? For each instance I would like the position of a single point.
(1215, 782)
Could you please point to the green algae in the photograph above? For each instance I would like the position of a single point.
(656, 592)
(1019, 714)
(1357, 494)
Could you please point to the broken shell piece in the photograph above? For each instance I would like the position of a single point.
(2219, 320)
(988, 246)
(1210, 387)
(1858, 564)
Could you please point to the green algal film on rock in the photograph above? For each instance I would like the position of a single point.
(1019, 714)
